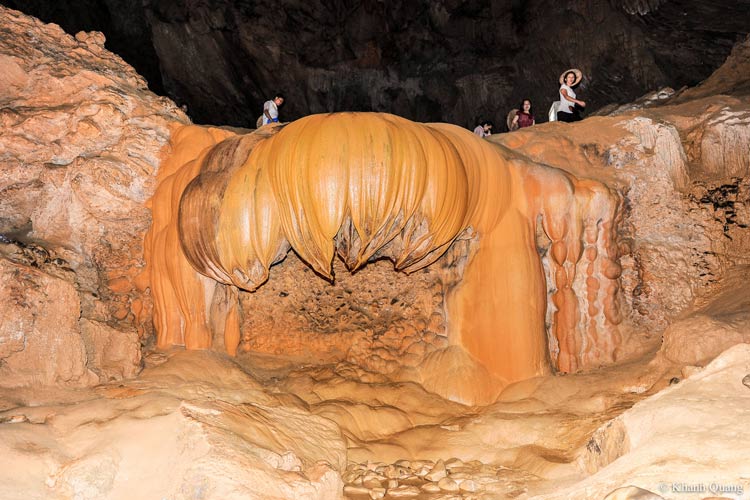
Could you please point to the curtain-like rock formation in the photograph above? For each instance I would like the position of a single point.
(364, 186)
(79, 150)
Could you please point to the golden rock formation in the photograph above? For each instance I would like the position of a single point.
(367, 186)
(179, 293)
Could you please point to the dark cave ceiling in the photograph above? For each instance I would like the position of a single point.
(428, 60)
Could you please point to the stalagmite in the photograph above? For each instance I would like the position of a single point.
(368, 185)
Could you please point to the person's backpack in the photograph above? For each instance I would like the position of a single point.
(553, 111)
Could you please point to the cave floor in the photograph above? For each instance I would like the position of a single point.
(404, 442)
(546, 437)
(269, 422)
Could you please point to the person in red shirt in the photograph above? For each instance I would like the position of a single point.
(524, 117)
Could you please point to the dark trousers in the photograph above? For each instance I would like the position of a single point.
(568, 117)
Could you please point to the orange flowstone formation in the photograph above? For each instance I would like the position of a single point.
(370, 185)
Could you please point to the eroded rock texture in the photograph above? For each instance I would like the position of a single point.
(81, 200)
(40, 337)
(664, 241)
(79, 145)
(434, 60)
(163, 430)
(377, 318)
(680, 164)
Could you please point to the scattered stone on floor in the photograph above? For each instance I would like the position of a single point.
(427, 479)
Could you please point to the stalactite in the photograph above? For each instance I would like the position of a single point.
(359, 185)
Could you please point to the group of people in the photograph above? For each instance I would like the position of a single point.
(567, 109)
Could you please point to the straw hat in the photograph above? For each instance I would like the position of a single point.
(509, 119)
(577, 72)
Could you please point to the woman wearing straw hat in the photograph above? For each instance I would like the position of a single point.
(568, 101)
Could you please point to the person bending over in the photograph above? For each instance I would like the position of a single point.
(484, 129)
(271, 109)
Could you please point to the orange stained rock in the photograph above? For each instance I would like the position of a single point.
(181, 295)
(580, 217)
(354, 184)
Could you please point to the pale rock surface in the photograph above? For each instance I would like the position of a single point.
(632, 493)
(588, 446)
(40, 341)
(721, 143)
(722, 322)
(647, 441)
(112, 354)
(172, 434)
(453, 374)
(698, 338)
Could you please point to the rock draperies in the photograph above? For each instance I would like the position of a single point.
(364, 185)
(182, 297)
(342, 183)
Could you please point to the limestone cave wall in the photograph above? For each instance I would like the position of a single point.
(81, 140)
(440, 60)
(377, 318)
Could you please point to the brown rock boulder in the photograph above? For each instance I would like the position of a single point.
(40, 343)
(112, 354)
